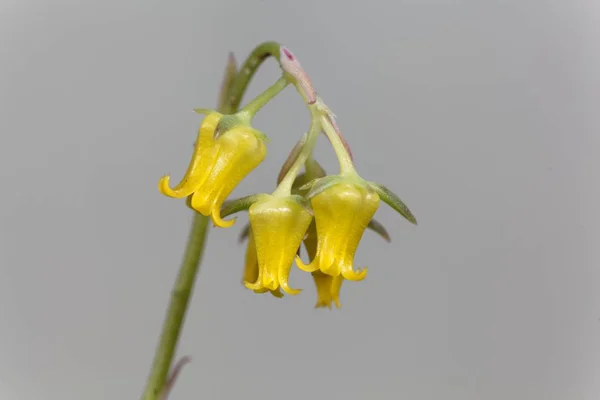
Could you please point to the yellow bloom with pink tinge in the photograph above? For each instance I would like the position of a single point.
(217, 166)
(342, 213)
(278, 226)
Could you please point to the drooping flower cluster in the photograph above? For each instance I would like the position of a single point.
(326, 213)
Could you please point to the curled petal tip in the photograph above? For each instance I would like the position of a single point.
(290, 290)
(304, 267)
(224, 223)
(352, 275)
(179, 192)
(163, 181)
(164, 187)
(220, 222)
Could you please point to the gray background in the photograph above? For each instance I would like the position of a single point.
(481, 115)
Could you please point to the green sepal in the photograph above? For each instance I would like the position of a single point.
(228, 77)
(393, 201)
(314, 169)
(244, 233)
(203, 111)
(226, 123)
(308, 185)
(229, 122)
(378, 228)
(301, 180)
(302, 201)
(317, 186)
(260, 135)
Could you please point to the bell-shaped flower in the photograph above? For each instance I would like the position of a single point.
(220, 161)
(278, 226)
(342, 213)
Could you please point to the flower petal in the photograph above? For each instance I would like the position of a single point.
(205, 154)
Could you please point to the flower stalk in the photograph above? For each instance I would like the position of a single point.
(176, 311)
(253, 107)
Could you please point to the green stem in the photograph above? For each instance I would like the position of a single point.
(250, 109)
(285, 186)
(344, 158)
(180, 296)
(233, 90)
(247, 71)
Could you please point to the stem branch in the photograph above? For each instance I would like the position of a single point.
(257, 103)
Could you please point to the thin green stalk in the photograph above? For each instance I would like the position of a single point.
(247, 71)
(285, 186)
(232, 92)
(180, 296)
(344, 158)
(250, 109)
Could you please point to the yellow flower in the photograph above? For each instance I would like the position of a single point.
(251, 267)
(217, 166)
(328, 289)
(342, 212)
(278, 226)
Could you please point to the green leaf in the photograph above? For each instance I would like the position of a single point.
(378, 228)
(393, 201)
